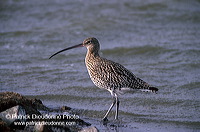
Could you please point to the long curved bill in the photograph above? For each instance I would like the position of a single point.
(75, 46)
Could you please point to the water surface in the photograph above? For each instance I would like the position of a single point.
(157, 40)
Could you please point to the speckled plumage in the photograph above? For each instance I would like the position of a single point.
(112, 76)
(109, 75)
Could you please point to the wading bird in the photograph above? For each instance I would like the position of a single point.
(109, 75)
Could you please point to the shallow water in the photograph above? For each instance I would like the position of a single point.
(157, 40)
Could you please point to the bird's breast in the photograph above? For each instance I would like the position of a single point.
(97, 72)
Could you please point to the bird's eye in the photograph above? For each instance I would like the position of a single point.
(88, 42)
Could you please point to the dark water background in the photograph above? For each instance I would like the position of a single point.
(158, 40)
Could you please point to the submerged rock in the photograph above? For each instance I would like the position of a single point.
(42, 128)
(65, 108)
(90, 129)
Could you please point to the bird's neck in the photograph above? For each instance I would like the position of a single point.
(92, 55)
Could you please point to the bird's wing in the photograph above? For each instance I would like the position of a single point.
(118, 76)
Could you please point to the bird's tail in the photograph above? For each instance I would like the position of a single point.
(150, 89)
(145, 87)
(153, 89)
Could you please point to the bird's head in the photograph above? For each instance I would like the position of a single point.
(91, 44)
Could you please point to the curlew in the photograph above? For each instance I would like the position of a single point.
(109, 75)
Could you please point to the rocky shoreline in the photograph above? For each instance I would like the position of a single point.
(18, 113)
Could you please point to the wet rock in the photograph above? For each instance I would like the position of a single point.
(13, 114)
(59, 129)
(41, 128)
(90, 129)
(10, 99)
(4, 127)
(17, 108)
(16, 113)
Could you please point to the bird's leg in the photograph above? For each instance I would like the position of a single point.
(117, 107)
(105, 117)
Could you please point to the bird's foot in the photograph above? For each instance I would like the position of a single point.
(105, 121)
(116, 122)
(112, 123)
